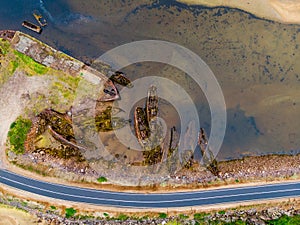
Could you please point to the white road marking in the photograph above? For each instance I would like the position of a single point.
(151, 202)
(176, 193)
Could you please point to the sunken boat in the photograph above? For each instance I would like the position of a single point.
(152, 104)
(39, 18)
(106, 122)
(145, 117)
(110, 92)
(32, 27)
(7, 34)
(120, 78)
(141, 126)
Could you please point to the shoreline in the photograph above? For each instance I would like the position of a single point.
(267, 168)
(276, 10)
(229, 179)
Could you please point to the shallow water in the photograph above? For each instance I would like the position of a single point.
(254, 60)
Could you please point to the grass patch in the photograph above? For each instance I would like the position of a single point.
(162, 216)
(30, 63)
(102, 179)
(199, 216)
(17, 134)
(238, 222)
(70, 212)
(122, 217)
(173, 222)
(183, 216)
(293, 220)
(13, 66)
(31, 168)
(222, 212)
(4, 46)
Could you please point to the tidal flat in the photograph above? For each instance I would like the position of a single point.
(254, 60)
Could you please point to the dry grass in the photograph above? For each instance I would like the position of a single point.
(13, 216)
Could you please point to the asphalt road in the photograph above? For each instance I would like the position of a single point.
(137, 200)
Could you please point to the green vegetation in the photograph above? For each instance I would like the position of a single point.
(183, 216)
(162, 216)
(284, 220)
(70, 80)
(146, 217)
(53, 207)
(102, 179)
(17, 134)
(84, 217)
(30, 168)
(238, 222)
(173, 222)
(122, 217)
(70, 212)
(106, 214)
(66, 86)
(200, 218)
(4, 46)
(222, 212)
(8, 64)
(24, 204)
(30, 63)
(13, 66)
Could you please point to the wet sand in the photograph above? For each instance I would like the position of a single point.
(254, 60)
(285, 11)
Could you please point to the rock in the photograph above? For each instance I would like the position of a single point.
(274, 213)
(251, 212)
(264, 218)
(255, 221)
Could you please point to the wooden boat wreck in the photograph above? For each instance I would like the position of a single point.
(120, 78)
(144, 118)
(208, 157)
(110, 92)
(32, 27)
(141, 126)
(152, 104)
(7, 34)
(39, 18)
(106, 122)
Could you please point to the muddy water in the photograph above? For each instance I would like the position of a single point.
(254, 60)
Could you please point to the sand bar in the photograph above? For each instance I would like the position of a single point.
(285, 11)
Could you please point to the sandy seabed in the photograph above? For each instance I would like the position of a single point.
(285, 11)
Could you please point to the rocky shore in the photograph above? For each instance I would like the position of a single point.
(248, 169)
